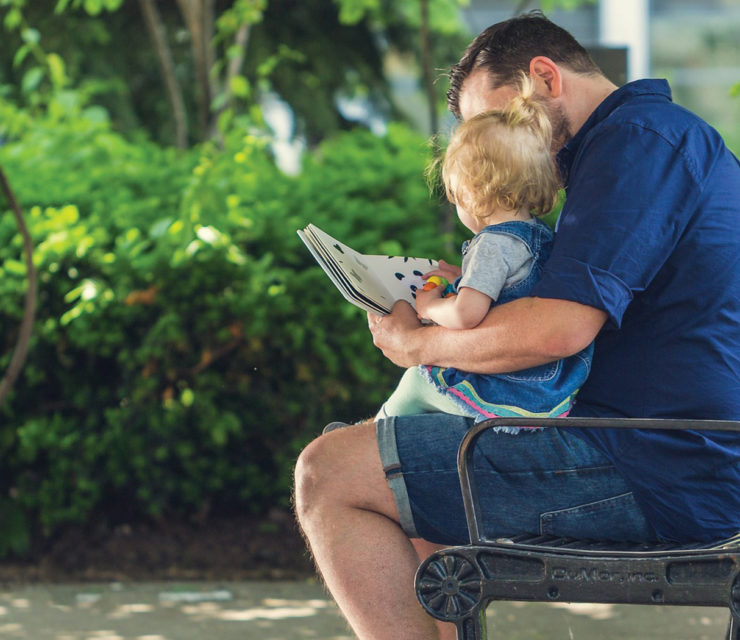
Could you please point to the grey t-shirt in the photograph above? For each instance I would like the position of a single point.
(494, 261)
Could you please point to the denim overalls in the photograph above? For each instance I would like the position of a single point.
(546, 390)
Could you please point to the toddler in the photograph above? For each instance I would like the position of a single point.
(499, 172)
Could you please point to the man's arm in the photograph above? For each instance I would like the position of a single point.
(513, 336)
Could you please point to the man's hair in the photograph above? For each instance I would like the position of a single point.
(506, 48)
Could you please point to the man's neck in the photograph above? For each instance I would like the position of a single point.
(583, 94)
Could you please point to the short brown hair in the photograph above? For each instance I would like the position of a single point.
(506, 48)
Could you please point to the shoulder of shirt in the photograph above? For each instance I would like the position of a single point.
(680, 130)
(658, 116)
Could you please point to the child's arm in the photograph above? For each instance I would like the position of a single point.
(463, 311)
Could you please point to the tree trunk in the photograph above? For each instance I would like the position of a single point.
(427, 69)
(198, 16)
(167, 67)
(209, 16)
(446, 212)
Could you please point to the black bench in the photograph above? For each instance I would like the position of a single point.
(456, 584)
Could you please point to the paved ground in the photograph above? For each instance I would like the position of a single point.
(296, 610)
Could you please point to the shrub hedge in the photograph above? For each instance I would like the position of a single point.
(186, 345)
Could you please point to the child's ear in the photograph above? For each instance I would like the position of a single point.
(546, 76)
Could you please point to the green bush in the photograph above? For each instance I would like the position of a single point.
(186, 344)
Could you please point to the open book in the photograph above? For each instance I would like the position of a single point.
(373, 283)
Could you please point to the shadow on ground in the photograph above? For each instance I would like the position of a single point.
(276, 610)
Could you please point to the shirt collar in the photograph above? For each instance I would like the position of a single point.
(610, 104)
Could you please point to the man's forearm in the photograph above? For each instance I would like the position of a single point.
(514, 336)
(494, 346)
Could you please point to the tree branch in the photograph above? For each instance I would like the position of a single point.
(194, 13)
(209, 12)
(427, 68)
(24, 335)
(166, 65)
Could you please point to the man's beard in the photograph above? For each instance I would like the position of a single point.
(561, 127)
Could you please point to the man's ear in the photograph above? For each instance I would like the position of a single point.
(546, 75)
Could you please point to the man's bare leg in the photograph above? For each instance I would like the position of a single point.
(349, 517)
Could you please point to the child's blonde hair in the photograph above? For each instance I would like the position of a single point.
(502, 159)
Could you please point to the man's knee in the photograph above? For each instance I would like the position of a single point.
(311, 475)
(341, 469)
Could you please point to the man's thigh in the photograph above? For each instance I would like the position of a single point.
(536, 481)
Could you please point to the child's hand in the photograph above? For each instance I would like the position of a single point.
(425, 299)
(449, 272)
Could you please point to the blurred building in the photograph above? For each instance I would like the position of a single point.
(696, 46)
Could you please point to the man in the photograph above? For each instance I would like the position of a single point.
(646, 261)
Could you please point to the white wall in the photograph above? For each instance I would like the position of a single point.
(626, 23)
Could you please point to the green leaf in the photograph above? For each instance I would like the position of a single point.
(21, 54)
(13, 19)
(56, 70)
(88, 290)
(240, 86)
(96, 114)
(160, 228)
(93, 7)
(187, 397)
(31, 36)
(32, 79)
(352, 11)
(15, 267)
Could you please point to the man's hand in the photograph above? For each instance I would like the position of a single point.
(394, 334)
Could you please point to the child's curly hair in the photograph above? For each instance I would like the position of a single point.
(502, 159)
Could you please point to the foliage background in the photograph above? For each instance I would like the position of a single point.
(186, 346)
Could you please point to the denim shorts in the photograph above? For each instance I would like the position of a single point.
(543, 481)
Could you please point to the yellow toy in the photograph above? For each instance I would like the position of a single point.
(436, 281)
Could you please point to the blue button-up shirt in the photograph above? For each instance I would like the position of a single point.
(650, 233)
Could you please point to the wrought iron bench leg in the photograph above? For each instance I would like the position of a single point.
(733, 629)
(733, 626)
(449, 587)
(473, 627)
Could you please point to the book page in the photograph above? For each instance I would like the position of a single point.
(400, 275)
(336, 275)
(372, 282)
